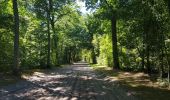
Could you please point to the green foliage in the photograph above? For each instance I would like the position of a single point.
(6, 22)
(142, 30)
(86, 55)
(105, 49)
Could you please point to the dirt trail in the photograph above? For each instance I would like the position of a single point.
(74, 82)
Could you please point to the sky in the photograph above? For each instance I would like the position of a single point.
(82, 6)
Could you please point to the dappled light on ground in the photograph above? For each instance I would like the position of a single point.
(76, 82)
(138, 84)
(132, 78)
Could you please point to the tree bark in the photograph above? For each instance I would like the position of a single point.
(94, 56)
(168, 4)
(148, 59)
(167, 58)
(161, 63)
(143, 52)
(114, 44)
(49, 36)
(16, 38)
(55, 38)
(146, 30)
(52, 22)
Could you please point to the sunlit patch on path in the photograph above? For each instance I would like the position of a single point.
(75, 82)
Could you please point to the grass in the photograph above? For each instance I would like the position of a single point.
(137, 83)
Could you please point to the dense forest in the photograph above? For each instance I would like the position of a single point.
(131, 35)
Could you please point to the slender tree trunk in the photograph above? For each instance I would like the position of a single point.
(168, 69)
(143, 61)
(168, 4)
(53, 29)
(55, 41)
(16, 38)
(94, 56)
(143, 54)
(55, 38)
(114, 44)
(69, 57)
(147, 39)
(49, 39)
(167, 55)
(167, 59)
(49, 21)
(161, 63)
(148, 59)
(65, 55)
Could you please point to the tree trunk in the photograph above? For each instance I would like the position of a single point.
(161, 63)
(147, 39)
(49, 38)
(50, 21)
(167, 58)
(143, 54)
(94, 56)
(148, 59)
(55, 41)
(53, 29)
(168, 4)
(69, 55)
(114, 44)
(16, 38)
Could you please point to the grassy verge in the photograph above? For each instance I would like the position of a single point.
(137, 83)
(7, 78)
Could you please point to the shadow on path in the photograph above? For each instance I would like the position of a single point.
(75, 82)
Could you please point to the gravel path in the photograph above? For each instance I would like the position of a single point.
(75, 82)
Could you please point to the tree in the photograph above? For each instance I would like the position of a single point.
(50, 11)
(108, 11)
(49, 34)
(114, 42)
(16, 38)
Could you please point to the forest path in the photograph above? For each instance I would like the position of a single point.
(74, 82)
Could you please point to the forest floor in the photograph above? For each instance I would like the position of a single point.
(82, 82)
(75, 82)
(139, 84)
(7, 79)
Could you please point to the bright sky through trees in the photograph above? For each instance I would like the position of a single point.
(82, 6)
